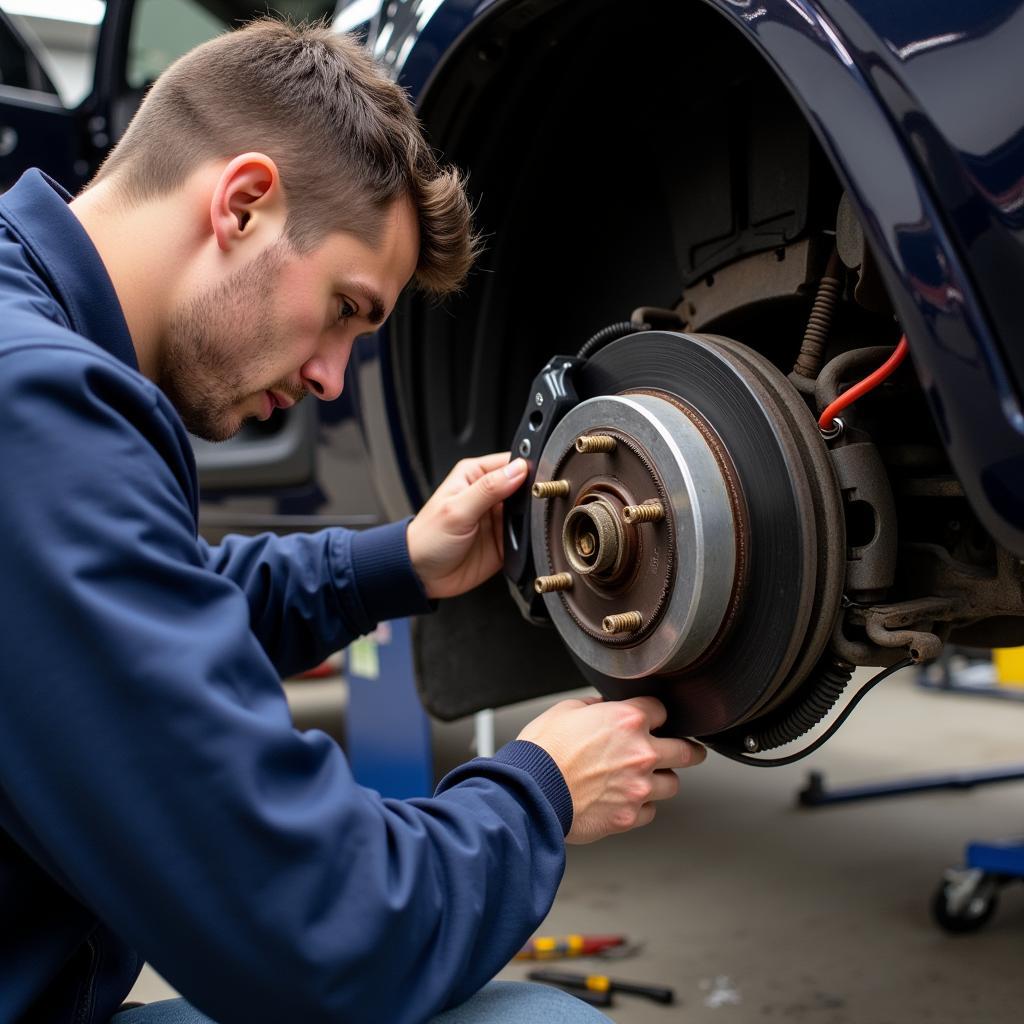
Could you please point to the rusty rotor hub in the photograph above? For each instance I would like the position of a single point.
(640, 531)
(588, 538)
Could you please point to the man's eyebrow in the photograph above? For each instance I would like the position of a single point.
(376, 314)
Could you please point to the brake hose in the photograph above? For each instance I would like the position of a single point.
(848, 397)
(777, 762)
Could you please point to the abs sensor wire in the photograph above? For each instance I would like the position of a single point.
(607, 335)
(777, 762)
(848, 397)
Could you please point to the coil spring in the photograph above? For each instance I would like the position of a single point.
(808, 362)
(823, 690)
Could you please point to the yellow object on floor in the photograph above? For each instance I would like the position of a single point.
(1009, 663)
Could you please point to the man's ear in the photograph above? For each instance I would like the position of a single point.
(247, 195)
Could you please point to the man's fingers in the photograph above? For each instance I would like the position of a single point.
(473, 503)
(673, 753)
(654, 711)
(579, 702)
(664, 785)
(476, 467)
(645, 815)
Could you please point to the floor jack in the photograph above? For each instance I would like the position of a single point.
(967, 896)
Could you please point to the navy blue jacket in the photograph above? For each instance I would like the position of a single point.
(155, 801)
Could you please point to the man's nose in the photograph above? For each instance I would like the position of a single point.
(324, 375)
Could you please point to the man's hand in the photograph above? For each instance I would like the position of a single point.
(455, 541)
(614, 768)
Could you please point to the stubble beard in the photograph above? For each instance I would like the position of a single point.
(219, 346)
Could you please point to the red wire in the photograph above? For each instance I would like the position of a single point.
(851, 395)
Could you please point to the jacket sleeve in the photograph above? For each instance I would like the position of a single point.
(312, 594)
(148, 753)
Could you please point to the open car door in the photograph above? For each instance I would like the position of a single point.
(51, 115)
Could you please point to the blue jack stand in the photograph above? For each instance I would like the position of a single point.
(967, 897)
(387, 731)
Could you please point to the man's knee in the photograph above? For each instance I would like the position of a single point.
(167, 1011)
(516, 1002)
(501, 1002)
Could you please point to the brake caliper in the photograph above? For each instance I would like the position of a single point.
(552, 395)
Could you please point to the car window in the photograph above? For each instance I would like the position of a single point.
(163, 30)
(57, 49)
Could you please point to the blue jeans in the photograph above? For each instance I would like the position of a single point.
(501, 1002)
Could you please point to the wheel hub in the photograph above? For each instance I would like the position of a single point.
(673, 573)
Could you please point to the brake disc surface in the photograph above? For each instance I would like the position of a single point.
(741, 587)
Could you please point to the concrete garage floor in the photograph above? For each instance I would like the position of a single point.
(757, 911)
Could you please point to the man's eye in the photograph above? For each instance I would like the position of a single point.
(346, 309)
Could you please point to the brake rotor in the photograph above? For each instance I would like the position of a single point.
(720, 594)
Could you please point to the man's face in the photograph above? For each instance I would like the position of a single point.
(282, 326)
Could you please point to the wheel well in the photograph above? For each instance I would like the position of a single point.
(647, 147)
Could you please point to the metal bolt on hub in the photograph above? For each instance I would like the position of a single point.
(551, 489)
(589, 443)
(627, 622)
(550, 584)
(651, 511)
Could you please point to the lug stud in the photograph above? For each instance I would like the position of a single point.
(551, 489)
(549, 584)
(627, 622)
(651, 511)
(588, 443)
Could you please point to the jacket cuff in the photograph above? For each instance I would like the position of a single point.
(539, 764)
(385, 579)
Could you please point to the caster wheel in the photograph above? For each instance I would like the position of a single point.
(965, 901)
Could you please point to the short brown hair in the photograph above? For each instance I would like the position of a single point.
(345, 138)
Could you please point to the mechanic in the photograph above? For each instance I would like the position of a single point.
(267, 205)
